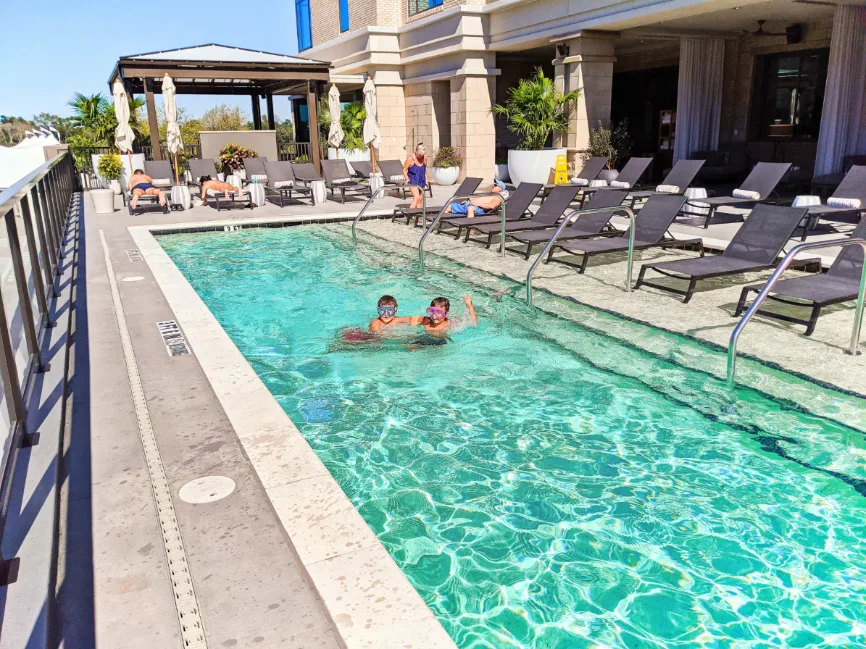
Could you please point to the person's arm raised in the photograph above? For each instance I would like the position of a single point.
(473, 317)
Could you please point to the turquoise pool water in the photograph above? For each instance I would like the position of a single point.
(540, 483)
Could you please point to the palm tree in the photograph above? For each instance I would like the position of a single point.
(95, 115)
(87, 110)
(535, 109)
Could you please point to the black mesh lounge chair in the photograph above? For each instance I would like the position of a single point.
(468, 186)
(516, 207)
(756, 246)
(255, 168)
(160, 172)
(627, 178)
(339, 179)
(548, 214)
(756, 188)
(281, 180)
(591, 170)
(162, 177)
(363, 169)
(586, 226)
(392, 175)
(841, 283)
(851, 190)
(199, 168)
(651, 226)
(305, 173)
(676, 182)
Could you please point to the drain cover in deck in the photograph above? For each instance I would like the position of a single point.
(206, 490)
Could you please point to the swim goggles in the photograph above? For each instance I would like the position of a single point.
(436, 312)
(387, 311)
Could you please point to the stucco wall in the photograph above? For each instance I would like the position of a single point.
(428, 114)
(262, 142)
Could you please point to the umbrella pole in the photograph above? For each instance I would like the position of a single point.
(176, 172)
(373, 157)
(129, 157)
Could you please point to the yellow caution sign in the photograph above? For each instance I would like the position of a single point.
(561, 177)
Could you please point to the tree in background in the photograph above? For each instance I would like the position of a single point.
(285, 131)
(224, 118)
(95, 123)
(13, 129)
(63, 125)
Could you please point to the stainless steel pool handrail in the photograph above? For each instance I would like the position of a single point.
(463, 198)
(565, 223)
(768, 287)
(364, 209)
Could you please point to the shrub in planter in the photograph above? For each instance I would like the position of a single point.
(110, 168)
(534, 110)
(446, 166)
(232, 157)
(611, 141)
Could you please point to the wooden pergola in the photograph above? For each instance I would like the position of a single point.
(221, 70)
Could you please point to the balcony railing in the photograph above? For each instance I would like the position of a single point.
(34, 212)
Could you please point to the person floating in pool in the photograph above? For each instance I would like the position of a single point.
(481, 204)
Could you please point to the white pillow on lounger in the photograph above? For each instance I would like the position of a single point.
(397, 178)
(262, 178)
(620, 184)
(668, 189)
(844, 202)
(743, 193)
(284, 183)
(583, 182)
(161, 182)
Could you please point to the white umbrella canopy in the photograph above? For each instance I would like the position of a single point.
(124, 137)
(335, 133)
(372, 138)
(173, 139)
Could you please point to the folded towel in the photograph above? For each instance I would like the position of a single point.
(262, 178)
(397, 178)
(161, 182)
(620, 184)
(742, 193)
(668, 189)
(214, 193)
(583, 182)
(341, 181)
(844, 202)
(284, 183)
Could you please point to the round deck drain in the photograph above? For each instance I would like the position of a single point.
(206, 490)
(134, 278)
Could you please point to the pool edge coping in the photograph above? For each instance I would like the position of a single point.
(368, 597)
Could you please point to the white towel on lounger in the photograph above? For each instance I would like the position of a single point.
(853, 203)
(743, 193)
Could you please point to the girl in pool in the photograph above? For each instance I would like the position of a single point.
(437, 323)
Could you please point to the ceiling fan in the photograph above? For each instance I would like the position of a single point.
(760, 31)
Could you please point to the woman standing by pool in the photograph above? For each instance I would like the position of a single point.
(415, 170)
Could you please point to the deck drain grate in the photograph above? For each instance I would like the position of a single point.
(175, 343)
(133, 254)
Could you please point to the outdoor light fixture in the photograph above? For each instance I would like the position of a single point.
(562, 50)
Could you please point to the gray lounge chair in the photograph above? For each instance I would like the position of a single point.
(676, 182)
(651, 228)
(199, 168)
(852, 187)
(548, 214)
(281, 180)
(590, 172)
(338, 178)
(255, 168)
(305, 173)
(629, 176)
(392, 175)
(160, 172)
(755, 246)
(363, 169)
(516, 207)
(586, 225)
(762, 181)
(468, 186)
(841, 283)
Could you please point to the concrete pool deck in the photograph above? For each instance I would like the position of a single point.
(285, 560)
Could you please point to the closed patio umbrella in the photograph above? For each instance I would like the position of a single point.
(335, 133)
(371, 123)
(173, 139)
(124, 137)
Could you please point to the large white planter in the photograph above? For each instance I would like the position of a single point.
(608, 175)
(444, 175)
(376, 182)
(352, 155)
(114, 185)
(532, 166)
(501, 173)
(103, 200)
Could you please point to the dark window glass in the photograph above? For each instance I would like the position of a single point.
(305, 27)
(417, 6)
(344, 15)
(788, 95)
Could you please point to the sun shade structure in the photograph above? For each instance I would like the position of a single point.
(214, 69)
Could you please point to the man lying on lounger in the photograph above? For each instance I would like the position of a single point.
(142, 185)
(207, 183)
(481, 204)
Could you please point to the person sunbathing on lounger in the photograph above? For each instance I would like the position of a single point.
(207, 183)
(142, 185)
(482, 204)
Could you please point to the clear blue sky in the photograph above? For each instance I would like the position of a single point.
(54, 48)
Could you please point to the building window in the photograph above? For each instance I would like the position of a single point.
(305, 27)
(788, 95)
(344, 15)
(418, 6)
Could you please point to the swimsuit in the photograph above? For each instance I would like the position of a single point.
(417, 174)
(143, 187)
(429, 339)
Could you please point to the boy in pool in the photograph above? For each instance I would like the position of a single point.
(436, 321)
(387, 308)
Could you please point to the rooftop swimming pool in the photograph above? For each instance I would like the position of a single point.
(544, 484)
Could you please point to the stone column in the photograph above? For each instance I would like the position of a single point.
(585, 63)
(391, 105)
(473, 134)
(428, 114)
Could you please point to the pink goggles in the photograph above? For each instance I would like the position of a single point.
(437, 312)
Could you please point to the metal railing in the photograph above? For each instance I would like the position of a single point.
(364, 209)
(35, 212)
(442, 211)
(292, 151)
(774, 278)
(565, 222)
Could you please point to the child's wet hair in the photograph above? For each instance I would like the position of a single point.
(387, 300)
(441, 302)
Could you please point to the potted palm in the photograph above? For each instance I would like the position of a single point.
(534, 110)
(446, 166)
(352, 120)
(611, 141)
(109, 168)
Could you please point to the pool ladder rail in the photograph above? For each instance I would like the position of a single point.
(463, 198)
(369, 202)
(787, 260)
(569, 218)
